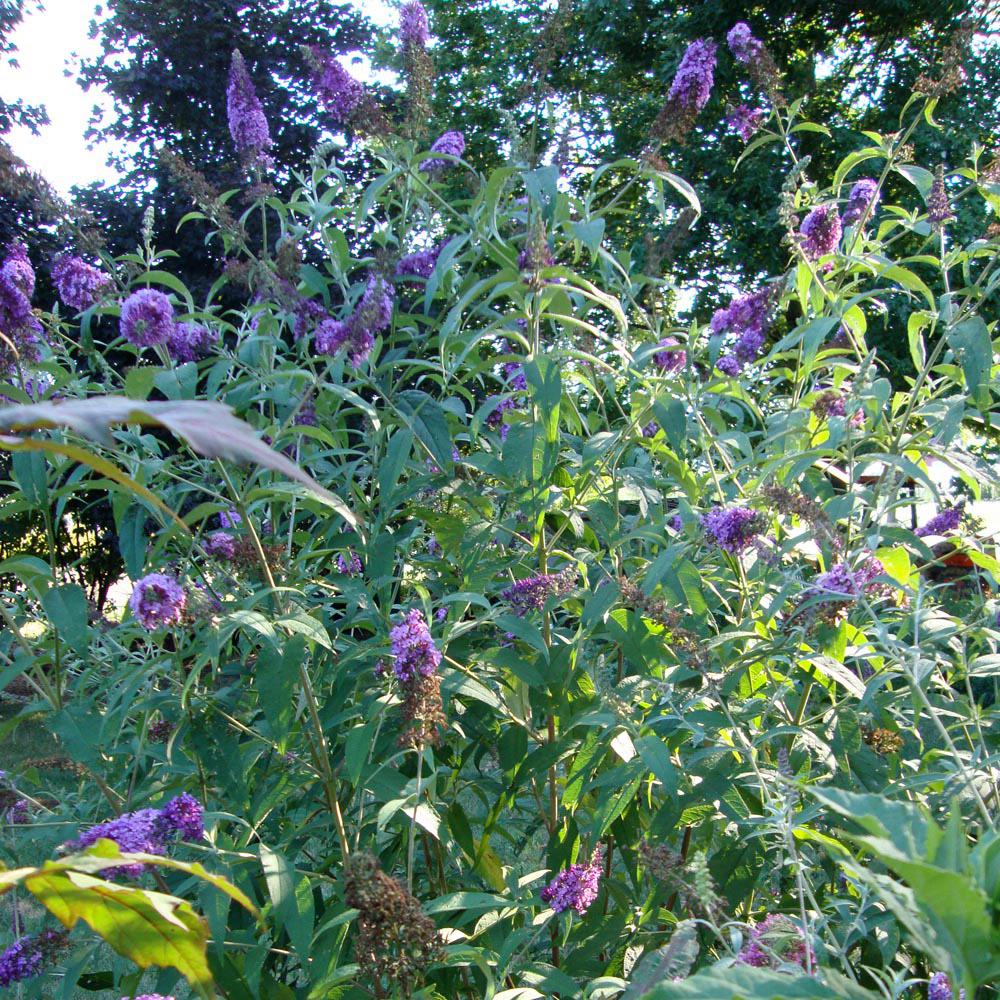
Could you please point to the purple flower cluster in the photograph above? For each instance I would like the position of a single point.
(357, 333)
(840, 582)
(947, 520)
(449, 144)
(21, 329)
(183, 815)
(146, 831)
(413, 648)
(420, 264)
(692, 84)
(413, 27)
(147, 318)
(821, 231)
(78, 283)
(230, 518)
(28, 954)
(744, 47)
(247, 123)
(671, 357)
(745, 121)
(861, 201)
(531, 593)
(190, 341)
(149, 996)
(340, 93)
(732, 528)
(535, 256)
(939, 988)
(221, 545)
(833, 403)
(306, 414)
(575, 887)
(747, 318)
(351, 565)
(157, 599)
(776, 940)
(650, 429)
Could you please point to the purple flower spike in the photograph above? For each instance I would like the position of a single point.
(671, 357)
(732, 528)
(451, 144)
(183, 815)
(744, 47)
(947, 520)
(821, 232)
(413, 648)
(190, 342)
(861, 201)
(156, 600)
(413, 27)
(340, 93)
(78, 283)
(575, 887)
(692, 85)
(247, 123)
(147, 318)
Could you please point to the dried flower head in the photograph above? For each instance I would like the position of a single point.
(883, 741)
(395, 939)
(939, 211)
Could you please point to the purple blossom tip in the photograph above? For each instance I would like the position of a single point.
(157, 599)
(575, 887)
(147, 318)
(413, 648)
(247, 123)
(732, 528)
(821, 231)
(449, 144)
(78, 283)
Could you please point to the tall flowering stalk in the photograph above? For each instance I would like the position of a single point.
(689, 92)
(247, 122)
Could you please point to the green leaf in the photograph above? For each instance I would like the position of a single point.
(970, 340)
(209, 428)
(741, 982)
(66, 607)
(426, 418)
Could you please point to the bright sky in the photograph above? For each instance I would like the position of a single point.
(47, 43)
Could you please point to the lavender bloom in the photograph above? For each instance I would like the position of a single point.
(841, 583)
(413, 648)
(692, 85)
(776, 940)
(939, 988)
(729, 365)
(306, 415)
(650, 430)
(413, 27)
(220, 544)
(433, 547)
(861, 201)
(575, 887)
(149, 996)
(28, 954)
(20, 961)
(78, 283)
(420, 264)
(247, 124)
(230, 518)
(440, 614)
(351, 566)
(357, 334)
(190, 341)
(947, 520)
(732, 528)
(744, 47)
(671, 357)
(745, 121)
(21, 330)
(535, 256)
(531, 593)
(450, 144)
(33, 384)
(821, 232)
(156, 600)
(183, 815)
(834, 404)
(139, 832)
(147, 318)
(676, 522)
(749, 318)
(340, 93)
(307, 315)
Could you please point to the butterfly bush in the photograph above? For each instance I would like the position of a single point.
(513, 550)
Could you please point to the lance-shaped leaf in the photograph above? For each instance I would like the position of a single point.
(210, 429)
